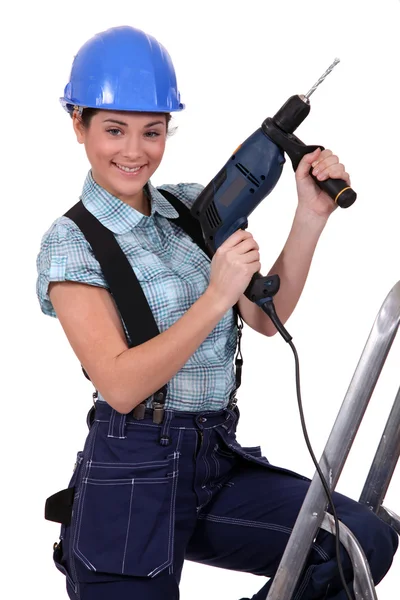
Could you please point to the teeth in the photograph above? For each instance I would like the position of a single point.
(127, 169)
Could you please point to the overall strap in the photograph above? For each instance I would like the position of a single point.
(124, 287)
(119, 275)
(186, 221)
(192, 227)
(126, 290)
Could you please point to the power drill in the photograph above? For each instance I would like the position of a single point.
(251, 174)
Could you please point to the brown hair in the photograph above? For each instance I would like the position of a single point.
(88, 114)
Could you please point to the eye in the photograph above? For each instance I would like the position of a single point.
(152, 134)
(114, 131)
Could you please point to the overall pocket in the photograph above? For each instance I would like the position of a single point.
(217, 464)
(253, 454)
(125, 517)
(248, 453)
(252, 451)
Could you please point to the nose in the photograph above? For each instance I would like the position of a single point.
(132, 148)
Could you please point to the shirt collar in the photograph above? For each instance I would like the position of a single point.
(118, 216)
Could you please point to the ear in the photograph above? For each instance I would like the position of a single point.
(79, 128)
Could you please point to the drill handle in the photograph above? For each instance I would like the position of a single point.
(261, 287)
(338, 189)
(340, 192)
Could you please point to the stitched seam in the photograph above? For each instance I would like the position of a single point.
(123, 465)
(165, 563)
(258, 525)
(304, 583)
(79, 516)
(245, 523)
(206, 463)
(173, 504)
(129, 524)
(177, 427)
(171, 532)
(114, 482)
(196, 441)
(77, 521)
(111, 424)
(166, 424)
(215, 462)
(321, 551)
(122, 426)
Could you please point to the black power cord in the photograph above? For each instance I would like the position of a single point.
(269, 308)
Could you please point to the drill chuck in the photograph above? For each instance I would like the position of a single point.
(280, 130)
(292, 113)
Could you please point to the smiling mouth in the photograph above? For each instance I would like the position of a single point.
(128, 170)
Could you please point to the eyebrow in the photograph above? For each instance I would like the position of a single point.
(126, 124)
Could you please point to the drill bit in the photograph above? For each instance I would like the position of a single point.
(321, 79)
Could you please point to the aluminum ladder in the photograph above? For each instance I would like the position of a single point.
(312, 515)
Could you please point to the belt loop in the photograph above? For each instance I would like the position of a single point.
(165, 439)
(116, 428)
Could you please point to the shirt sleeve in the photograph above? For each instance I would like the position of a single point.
(65, 255)
(185, 192)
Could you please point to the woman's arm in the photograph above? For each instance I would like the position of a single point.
(293, 264)
(125, 377)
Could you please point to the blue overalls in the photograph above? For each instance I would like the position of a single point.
(151, 489)
(147, 496)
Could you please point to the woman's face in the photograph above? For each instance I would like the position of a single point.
(124, 149)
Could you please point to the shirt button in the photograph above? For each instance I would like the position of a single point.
(202, 419)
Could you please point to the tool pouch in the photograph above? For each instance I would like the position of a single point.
(58, 507)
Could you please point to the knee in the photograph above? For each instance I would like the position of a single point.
(380, 544)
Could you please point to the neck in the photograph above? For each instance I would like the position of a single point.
(140, 202)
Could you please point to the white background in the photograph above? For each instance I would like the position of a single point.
(237, 63)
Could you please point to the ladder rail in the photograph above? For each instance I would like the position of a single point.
(390, 517)
(363, 583)
(385, 461)
(339, 443)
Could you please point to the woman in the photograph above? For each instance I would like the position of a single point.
(162, 478)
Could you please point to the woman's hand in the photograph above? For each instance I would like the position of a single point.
(324, 165)
(233, 265)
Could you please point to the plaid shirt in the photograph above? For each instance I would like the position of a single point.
(172, 271)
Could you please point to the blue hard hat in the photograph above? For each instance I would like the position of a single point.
(122, 69)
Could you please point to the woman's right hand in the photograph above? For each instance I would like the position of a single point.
(233, 265)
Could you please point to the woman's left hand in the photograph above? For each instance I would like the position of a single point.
(324, 165)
